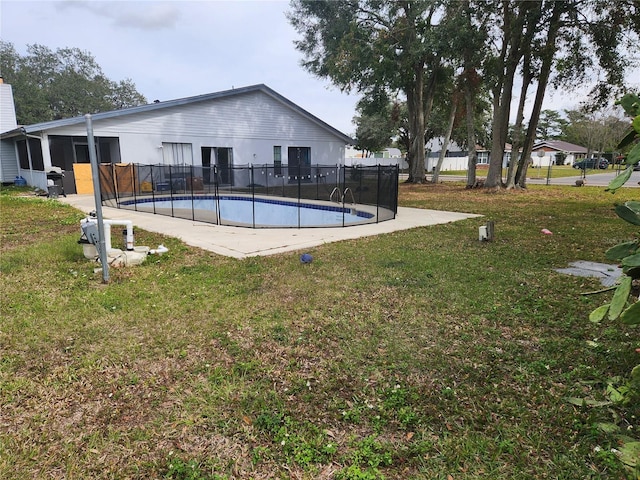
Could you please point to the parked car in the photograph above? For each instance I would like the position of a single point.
(601, 163)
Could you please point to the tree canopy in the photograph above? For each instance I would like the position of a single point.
(410, 47)
(50, 85)
(599, 131)
(368, 45)
(377, 122)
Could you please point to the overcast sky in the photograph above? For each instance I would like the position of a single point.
(176, 49)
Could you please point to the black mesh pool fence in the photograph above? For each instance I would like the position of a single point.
(345, 195)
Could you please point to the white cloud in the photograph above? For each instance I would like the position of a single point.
(135, 15)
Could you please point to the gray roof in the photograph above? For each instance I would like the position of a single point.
(39, 127)
(560, 146)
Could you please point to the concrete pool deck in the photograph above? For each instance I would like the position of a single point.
(239, 242)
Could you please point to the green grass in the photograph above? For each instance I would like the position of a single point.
(418, 354)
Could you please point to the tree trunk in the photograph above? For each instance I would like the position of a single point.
(518, 32)
(543, 79)
(501, 124)
(516, 162)
(415, 106)
(470, 84)
(471, 136)
(445, 142)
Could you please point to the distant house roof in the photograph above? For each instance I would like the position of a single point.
(480, 148)
(560, 146)
(38, 127)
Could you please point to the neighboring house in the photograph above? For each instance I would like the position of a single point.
(457, 158)
(8, 159)
(388, 156)
(543, 153)
(249, 125)
(548, 152)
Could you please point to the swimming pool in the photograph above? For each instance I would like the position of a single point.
(238, 210)
(257, 196)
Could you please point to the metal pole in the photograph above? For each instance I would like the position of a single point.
(29, 159)
(95, 173)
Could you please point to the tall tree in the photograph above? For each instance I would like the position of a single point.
(376, 44)
(561, 38)
(598, 131)
(377, 122)
(466, 54)
(67, 82)
(515, 26)
(550, 125)
(547, 52)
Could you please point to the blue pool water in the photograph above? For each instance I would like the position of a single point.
(260, 212)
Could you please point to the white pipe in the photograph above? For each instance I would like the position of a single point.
(129, 225)
(107, 231)
(107, 236)
(159, 251)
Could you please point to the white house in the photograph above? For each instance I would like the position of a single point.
(549, 152)
(8, 163)
(388, 156)
(249, 125)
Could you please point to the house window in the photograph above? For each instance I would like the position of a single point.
(277, 160)
(177, 154)
(34, 150)
(483, 158)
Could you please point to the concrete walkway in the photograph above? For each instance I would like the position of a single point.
(240, 242)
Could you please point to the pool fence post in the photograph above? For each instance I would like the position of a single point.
(216, 193)
(114, 179)
(134, 180)
(343, 189)
(153, 190)
(378, 195)
(193, 213)
(266, 179)
(253, 194)
(171, 187)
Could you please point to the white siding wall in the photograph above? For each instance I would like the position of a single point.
(9, 162)
(250, 124)
(7, 108)
(8, 159)
(550, 157)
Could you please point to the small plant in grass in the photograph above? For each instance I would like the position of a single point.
(371, 453)
(624, 305)
(354, 472)
(305, 450)
(179, 469)
(368, 455)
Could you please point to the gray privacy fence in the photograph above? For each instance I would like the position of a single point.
(260, 193)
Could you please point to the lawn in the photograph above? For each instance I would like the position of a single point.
(422, 354)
